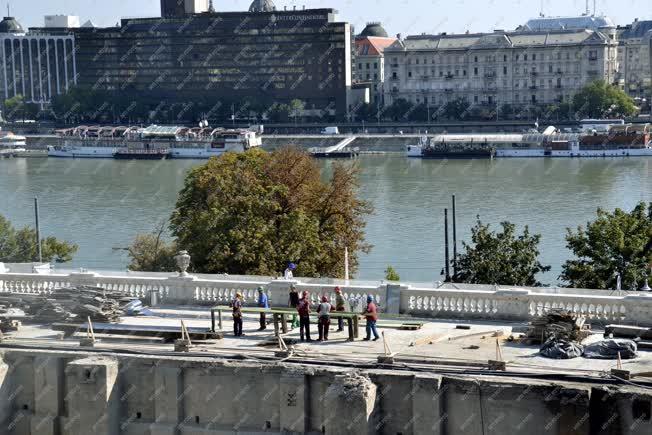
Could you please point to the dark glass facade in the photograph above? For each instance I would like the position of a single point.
(271, 57)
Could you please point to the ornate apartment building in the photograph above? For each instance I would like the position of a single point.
(634, 59)
(370, 47)
(519, 68)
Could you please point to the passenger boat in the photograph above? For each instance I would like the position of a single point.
(12, 145)
(154, 142)
(620, 141)
(453, 147)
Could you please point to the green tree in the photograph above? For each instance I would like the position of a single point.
(19, 246)
(152, 253)
(279, 113)
(391, 274)
(500, 257)
(399, 109)
(296, 108)
(615, 243)
(251, 213)
(456, 109)
(599, 99)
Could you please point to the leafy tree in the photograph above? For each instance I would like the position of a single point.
(456, 109)
(366, 112)
(296, 108)
(391, 274)
(399, 109)
(152, 253)
(600, 99)
(19, 246)
(615, 243)
(251, 213)
(500, 258)
(419, 113)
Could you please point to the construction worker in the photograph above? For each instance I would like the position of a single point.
(339, 306)
(263, 302)
(237, 314)
(303, 308)
(293, 302)
(371, 314)
(324, 323)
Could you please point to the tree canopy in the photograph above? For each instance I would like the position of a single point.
(500, 257)
(615, 243)
(19, 246)
(151, 252)
(254, 212)
(599, 99)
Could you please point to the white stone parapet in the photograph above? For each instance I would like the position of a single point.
(447, 301)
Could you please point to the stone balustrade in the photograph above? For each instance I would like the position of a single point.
(449, 301)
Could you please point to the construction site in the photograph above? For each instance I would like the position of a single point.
(85, 353)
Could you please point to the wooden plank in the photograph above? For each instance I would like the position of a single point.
(430, 339)
(168, 332)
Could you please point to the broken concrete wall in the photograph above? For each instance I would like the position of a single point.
(75, 393)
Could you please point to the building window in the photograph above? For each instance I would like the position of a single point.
(394, 76)
(475, 99)
(475, 59)
(409, 73)
(525, 57)
(375, 65)
(534, 99)
(534, 57)
(475, 71)
(550, 68)
(505, 70)
(464, 73)
(375, 76)
(368, 67)
(517, 57)
(359, 66)
(505, 58)
(417, 61)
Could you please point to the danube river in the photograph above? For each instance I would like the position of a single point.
(102, 204)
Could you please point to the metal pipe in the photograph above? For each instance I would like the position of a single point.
(454, 239)
(38, 231)
(448, 271)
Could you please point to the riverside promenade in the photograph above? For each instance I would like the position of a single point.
(439, 379)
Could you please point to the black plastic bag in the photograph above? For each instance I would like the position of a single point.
(561, 349)
(608, 349)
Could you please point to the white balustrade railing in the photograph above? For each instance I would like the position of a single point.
(446, 302)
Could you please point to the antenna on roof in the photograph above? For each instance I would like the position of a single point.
(541, 14)
(8, 9)
(588, 11)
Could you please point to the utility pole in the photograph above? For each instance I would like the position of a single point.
(448, 270)
(38, 232)
(454, 240)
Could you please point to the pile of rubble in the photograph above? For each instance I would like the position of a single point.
(66, 304)
(559, 324)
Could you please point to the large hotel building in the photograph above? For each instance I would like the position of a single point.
(193, 53)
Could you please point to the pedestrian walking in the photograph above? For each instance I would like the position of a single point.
(236, 305)
(263, 302)
(293, 302)
(304, 317)
(324, 321)
(371, 314)
(288, 275)
(339, 306)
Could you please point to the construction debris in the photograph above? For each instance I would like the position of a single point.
(559, 348)
(67, 304)
(559, 324)
(611, 349)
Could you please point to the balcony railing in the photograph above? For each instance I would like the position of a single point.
(447, 301)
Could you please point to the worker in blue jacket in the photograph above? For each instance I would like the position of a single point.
(263, 302)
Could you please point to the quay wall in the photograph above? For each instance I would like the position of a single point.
(45, 392)
(444, 301)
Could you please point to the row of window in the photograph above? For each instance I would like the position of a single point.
(375, 64)
(591, 54)
(491, 100)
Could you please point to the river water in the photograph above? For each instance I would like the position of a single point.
(102, 204)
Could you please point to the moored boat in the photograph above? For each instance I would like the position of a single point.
(171, 141)
(620, 141)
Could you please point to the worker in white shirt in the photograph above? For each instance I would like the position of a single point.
(289, 272)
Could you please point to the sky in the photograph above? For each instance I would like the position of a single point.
(408, 17)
